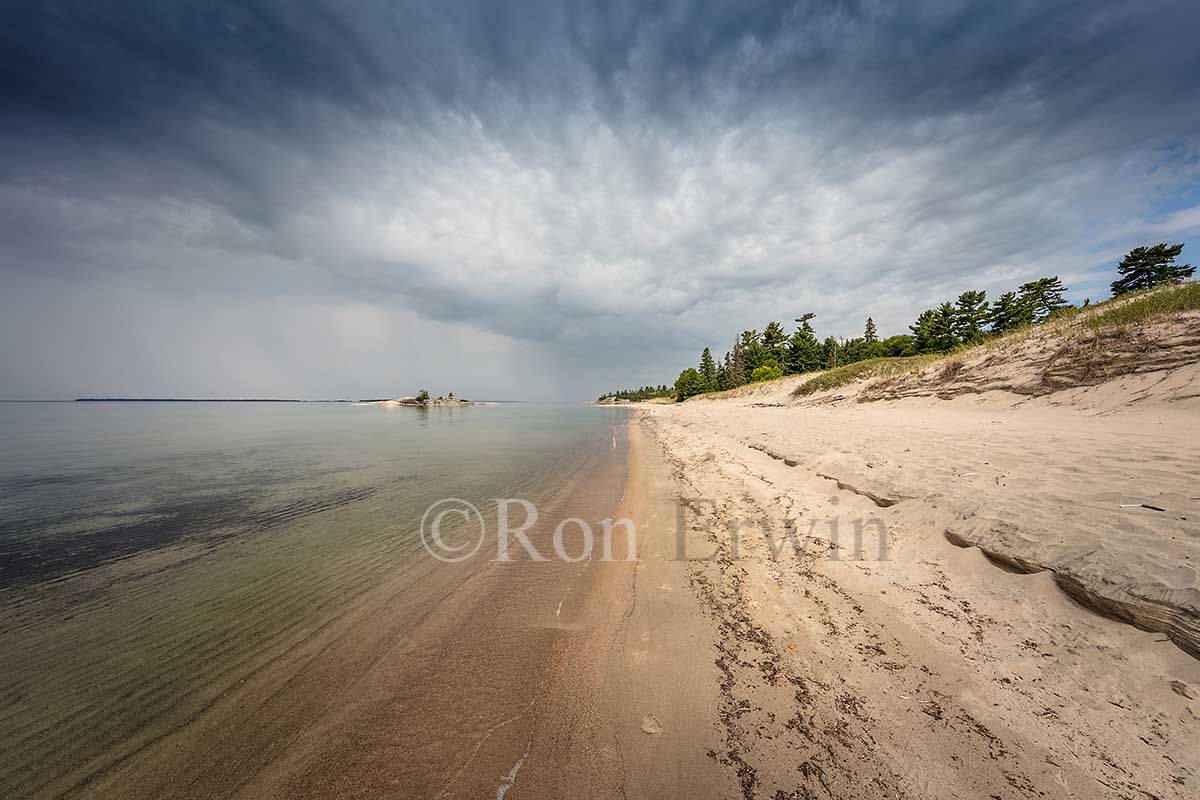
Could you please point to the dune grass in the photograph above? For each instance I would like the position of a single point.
(870, 368)
(741, 391)
(1148, 306)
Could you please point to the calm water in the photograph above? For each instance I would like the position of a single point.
(82, 484)
(156, 559)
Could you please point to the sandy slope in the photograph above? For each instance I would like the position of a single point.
(937, 672)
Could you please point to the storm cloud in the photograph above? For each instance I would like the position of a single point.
(545, 200)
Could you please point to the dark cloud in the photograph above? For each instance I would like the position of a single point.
(594, 189)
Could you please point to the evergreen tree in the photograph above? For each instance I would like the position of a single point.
(1043, 296)
(708, 370)
(1147, 267)
(1009, 312)
(644, 393)
(803, 354)
(804, 320)
(829, 353)
(753, 355)
(803, 350)
(944, 339)
(933, 332)
(869, 335)
(923, 331)
(854, 350)
(774, 343)
(970, 316)
(736, 371)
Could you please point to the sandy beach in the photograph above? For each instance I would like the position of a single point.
(936, 671)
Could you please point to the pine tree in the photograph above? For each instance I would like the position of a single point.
(736, 371)
(1008, 313)
(970, 316)
(774, 341)
(869, 335)
(753, 355)
(829, 353)
(854, 350)
(803, 354)
(1043, 296)
(1147, 267)
(805, 319)
(708, 369)
(942, 331)
(922, 331)
(933, 332)
(803, 350)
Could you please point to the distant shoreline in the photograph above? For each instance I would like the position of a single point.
(223, 400)
(232, 400)
(199, 400)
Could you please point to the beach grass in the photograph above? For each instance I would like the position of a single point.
(1148, 306)
(862, 370)
(1118, 312)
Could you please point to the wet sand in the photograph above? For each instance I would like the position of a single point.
(633, 700)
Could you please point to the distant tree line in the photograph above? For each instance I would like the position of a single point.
(968, 320)
(644, 393)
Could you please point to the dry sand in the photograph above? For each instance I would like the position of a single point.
(938, 672)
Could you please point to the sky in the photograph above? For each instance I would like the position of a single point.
(544, 201)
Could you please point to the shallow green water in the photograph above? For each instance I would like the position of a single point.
(84, 484)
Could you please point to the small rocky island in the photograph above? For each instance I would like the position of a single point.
(421, 399)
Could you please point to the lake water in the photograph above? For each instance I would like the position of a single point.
(158, 558)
